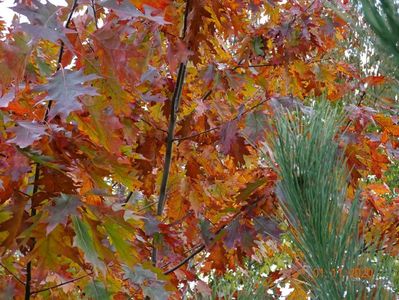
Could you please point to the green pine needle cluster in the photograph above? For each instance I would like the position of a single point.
(324, 227)
(384, 21)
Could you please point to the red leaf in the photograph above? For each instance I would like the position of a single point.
(228, 135)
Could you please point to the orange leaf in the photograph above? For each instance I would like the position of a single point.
(158, 4)
(374, 80)
(379, 188)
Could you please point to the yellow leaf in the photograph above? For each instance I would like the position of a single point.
(298, 294)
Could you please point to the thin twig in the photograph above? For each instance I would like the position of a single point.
(196, 134)
(93, 6)
(37, 169)
(12, 274)
(60, 284)
(128, 197)
(203, 246)
(61, 52)
(153, 125)
(184, 261)
(219, 126)
(172, 123)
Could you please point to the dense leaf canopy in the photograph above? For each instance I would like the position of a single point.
(132, 132)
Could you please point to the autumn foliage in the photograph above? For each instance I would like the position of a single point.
(131, 133)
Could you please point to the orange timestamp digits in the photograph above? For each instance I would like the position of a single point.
(357, 272)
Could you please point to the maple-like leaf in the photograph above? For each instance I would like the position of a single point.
(151, 225)
(374, 80)
(96, 290)
(84, 241)
(152, 287)
(228, 134)
(267, 226)
(43, 23)
(255, 125)
(238, 235)
(158, 4)
(26, 133)
(65, 206)
(117, 236)
(7, 98)
(125, 9)
(206, 233)
(64, 88)
(148, 97)
(14, 165)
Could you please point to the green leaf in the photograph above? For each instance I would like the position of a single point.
(65, 205)
(152, 287)
(255, 126)
(249, 189)
(258, 46)
(118, 235)
(83, 239)
(5, 215)
(96, 290)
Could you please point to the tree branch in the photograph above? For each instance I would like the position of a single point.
(61, 284)
(61, 52)
(37, 169)
(186, 260)
(12, 274)
(172, 123)
(93, 6)
(155, 126)
(128, 197)
(196, 134)
(203, 246)
(218, 127)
